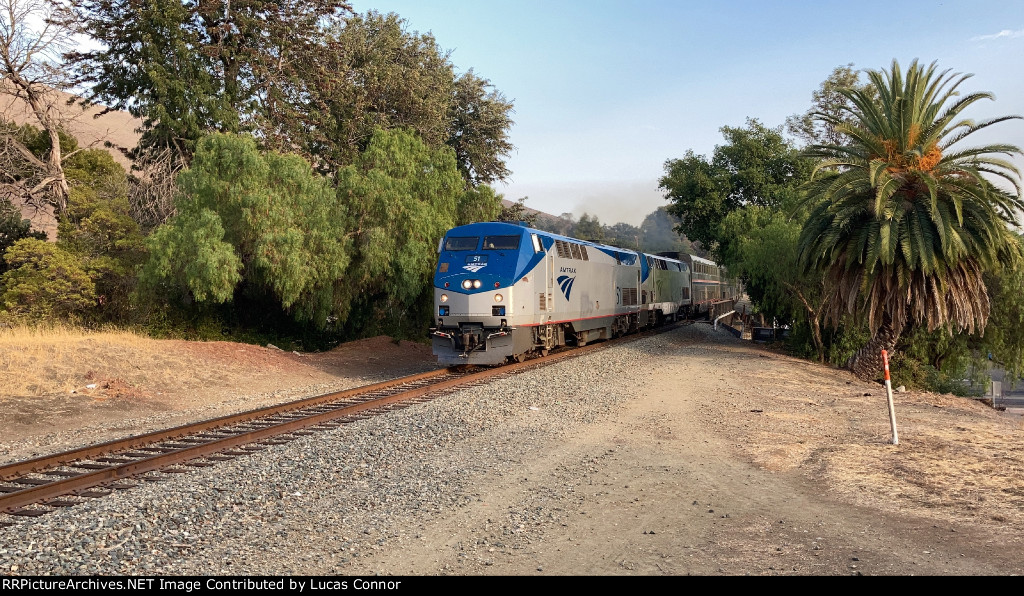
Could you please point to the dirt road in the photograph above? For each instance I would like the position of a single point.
(739, 461)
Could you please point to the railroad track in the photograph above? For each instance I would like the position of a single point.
(38, 486)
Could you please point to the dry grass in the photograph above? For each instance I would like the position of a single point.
(59, 359)
(52, 360)
(973, 472)
(957, 459)
(48, 361)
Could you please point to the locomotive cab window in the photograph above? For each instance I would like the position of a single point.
(461, 243)
(501, 242)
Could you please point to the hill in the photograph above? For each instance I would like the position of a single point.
(93, 126)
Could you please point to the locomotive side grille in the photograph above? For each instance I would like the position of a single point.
(576, 251)
(543, 302)
(629, 296)
(583, 251)
(563, 249)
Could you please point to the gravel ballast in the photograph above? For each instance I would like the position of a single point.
(319, 503)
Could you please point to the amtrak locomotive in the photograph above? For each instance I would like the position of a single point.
(502, 291)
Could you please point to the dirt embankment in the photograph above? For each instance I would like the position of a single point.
(96, 386)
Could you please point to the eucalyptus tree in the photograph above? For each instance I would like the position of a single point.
(905, 221)
(827, 98)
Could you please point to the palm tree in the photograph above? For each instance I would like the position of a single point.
(904, 220)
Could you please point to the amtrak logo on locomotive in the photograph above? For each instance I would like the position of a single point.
(475, 263)
(565, 282)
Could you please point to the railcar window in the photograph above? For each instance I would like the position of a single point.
(459, 243)
(501, 242)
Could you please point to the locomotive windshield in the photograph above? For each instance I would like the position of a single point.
(464, 243)
(501, 243)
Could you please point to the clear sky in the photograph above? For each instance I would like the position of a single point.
(606, 91)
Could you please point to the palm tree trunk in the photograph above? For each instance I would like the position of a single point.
(866, 364)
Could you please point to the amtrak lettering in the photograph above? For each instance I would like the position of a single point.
(567, 270)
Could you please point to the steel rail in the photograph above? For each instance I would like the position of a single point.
(14, 470)
(13, 502)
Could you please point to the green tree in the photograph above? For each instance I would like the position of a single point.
(764, 254)
(13, 227)
(44, 281)
(623, 235)
(658, 233)
(188, 68)
(828, 99)
(516, 212)
(401, 196)
(481, 118)
(906, 222)
(284, 229)
(479, 203)
(378, 74)
(98, 229)
(1002, 334)
(589, 228)
(756, 166)
(189, 254)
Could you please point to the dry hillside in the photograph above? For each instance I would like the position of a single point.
(114, 131)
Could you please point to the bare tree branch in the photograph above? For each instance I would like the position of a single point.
(31, 43)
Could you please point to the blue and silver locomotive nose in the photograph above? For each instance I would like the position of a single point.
(473, 291)
(475, 273)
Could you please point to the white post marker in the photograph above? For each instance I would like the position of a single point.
(888, 392)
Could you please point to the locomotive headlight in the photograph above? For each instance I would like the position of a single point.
(498, 298)
(476, 284)
(467, 284)
(444, 297)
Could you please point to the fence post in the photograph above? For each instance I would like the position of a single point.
(888, 393)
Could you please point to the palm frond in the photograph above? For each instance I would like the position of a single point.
(904, 224)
